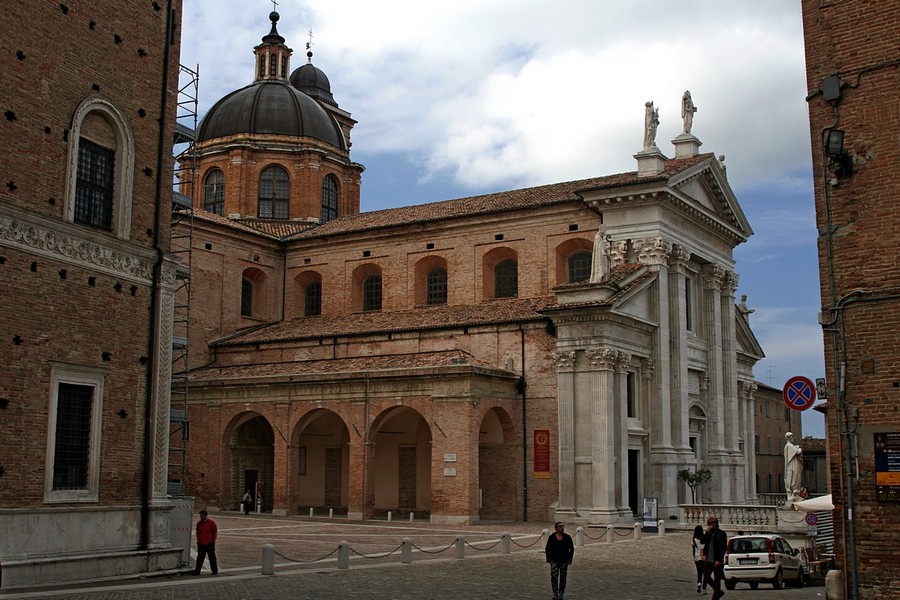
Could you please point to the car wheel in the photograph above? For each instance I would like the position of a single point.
(730, 583)
(778, 582)
(754, 585)
(800, 577)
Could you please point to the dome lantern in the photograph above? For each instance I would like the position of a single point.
(272, 56)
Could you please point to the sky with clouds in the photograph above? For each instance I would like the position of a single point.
(473, 96)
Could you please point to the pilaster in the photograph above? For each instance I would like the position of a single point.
(720, 485)
(603, 435)
(565, 376)
(622, 360)
(678, 351)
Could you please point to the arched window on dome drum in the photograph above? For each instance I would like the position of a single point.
(329, 198)
(312, 299)
(274, 196)
(273, 65)
(436, 286)
(580, 267)
(372, 293)
(506, 279)
(284, 63)
(262, 66)
(214, 192)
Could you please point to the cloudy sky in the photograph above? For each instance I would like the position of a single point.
(473, 96)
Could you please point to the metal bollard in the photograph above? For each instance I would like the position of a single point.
(330, 513)
(661, 528)
(637, 531)
(343, 555)
(544, 535)
(389, 516)
(406, 551)
(268, 560)
(579, 536)
(411, 517)
(460, 547)
(610, 534)
(310, 511)
(505, 543)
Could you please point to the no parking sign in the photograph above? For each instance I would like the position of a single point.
(812, 519)
(799, 393)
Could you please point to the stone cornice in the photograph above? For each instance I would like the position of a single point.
(74, 245)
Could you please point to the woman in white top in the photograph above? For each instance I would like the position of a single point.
(699, 559)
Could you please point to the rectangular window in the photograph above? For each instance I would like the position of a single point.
(94, 185)
(630, 393)
(313, 300)
(688, 304)
(73, 435)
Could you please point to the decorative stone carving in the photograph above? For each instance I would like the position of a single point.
(729, 283)
(713, 276)
(651, 123)
(704, 382)
(600, 256)
(687, 111)
(565, 361)
(647, 368)
(623, 359)
(678, 258)
(653, 251)
(748, 389)
(618, 252)
(602, 358)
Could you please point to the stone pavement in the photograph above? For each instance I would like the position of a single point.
(654, 567)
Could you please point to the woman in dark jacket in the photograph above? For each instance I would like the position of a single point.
(559, 552)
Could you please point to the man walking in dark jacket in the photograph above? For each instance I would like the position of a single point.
(715, 542)
(559, 551)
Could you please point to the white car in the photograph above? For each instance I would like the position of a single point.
(766, 558)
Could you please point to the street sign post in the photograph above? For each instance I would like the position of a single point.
(799, 393)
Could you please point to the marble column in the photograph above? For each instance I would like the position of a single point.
(678, 350)
(565, 377)
(603, 436)
(720, 485)
(729, 385)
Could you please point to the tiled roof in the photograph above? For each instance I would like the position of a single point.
(545, 195)
(621, 276)
(269, 228)
(332, 366)
(203, 215)
(507, 310)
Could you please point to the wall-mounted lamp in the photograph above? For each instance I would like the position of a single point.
(840, 162)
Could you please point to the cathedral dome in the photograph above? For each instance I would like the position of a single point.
(312, 81)
(271, 107)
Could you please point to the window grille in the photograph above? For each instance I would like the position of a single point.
(313, 304)
(436, 286)
(372, 293)
(214, 192)
(329, 199)
(506, 279)
(94, 185)
(274, 193)
(580, 267)
(73, 437)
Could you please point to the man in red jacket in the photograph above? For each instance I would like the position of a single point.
(206, 543)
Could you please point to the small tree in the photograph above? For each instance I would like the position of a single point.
(694, 479)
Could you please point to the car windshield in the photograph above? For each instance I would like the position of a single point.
(750, 545)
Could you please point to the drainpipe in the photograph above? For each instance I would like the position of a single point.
(159, 215)
(522, 386)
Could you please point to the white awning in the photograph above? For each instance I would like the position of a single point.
(815, 504)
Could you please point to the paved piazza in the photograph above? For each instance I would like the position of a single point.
(654, 567)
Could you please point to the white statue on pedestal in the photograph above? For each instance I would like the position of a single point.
(687, 111)
(598, 257)
(651, 122)
(793, 468)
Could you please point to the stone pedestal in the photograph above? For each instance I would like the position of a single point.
(686, 146)
(650, 161)
(790, 520)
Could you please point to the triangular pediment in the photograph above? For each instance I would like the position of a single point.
(705, 188)
(747, 343)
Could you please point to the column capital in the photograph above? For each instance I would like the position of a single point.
(713, 276)
(565, 360)
(704, 382)
(647, 368)
(730, 283)
(602, 359)
(652, 251)
(748, 389)
(622, 361)
(678, 258)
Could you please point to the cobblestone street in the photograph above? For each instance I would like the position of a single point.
(654, 567)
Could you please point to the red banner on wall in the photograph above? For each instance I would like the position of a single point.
(542, 453)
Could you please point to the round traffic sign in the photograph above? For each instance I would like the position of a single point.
(812, 519)
(799, 393)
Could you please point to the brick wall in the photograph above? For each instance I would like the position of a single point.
(861, 283)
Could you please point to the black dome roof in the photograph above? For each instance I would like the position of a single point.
(312, 81)
(274, 107)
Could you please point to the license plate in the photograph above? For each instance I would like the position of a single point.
(748, 561)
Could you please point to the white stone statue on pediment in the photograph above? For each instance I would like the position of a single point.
(687, 111)
(651, 123)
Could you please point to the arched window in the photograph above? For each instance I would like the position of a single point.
(101, 168)
(371, 293)
(436, 286)
(274, 194)
(579, 266)
(329, 198)
(312, 299)
(506, 279)
(246, 297)
(214, 192)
